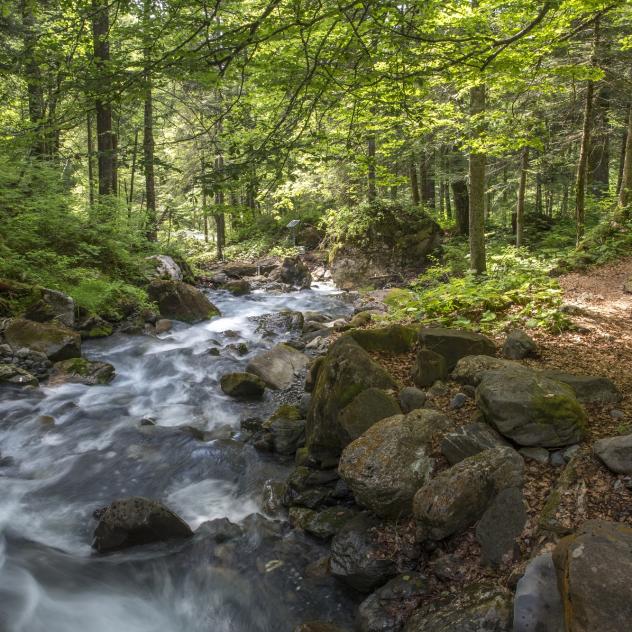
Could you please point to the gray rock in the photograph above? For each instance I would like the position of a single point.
(531, 409)
(387, 609)
(469, 440)
(470, 369)
(132, 521)
(539, 455)
(287, 428)
(322, 524)
(500, 526)
(164, 267)
(278, 367)
(594, 573)
(163, 325)
(477, 608)
(457, 497)
(616, 453)
(458, 401)
(411, 398)
(358, 558)
(557, 458)
(429, 368)
(588, 389)
(391, 461)
(272, 497)
(52, 305)
(242, 385)
(238, 287)
(293, 272)
(537, 603)
(454, 344)
(519, 345)
(54, 341)
(11, 375)
(617, 414)
(366, 408)
(81, 371)
(180, 301)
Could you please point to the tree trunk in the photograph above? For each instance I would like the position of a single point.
(90, 161)
(427, 181)
(372, 189)
(148, 132)
(477, 187)
(625, 195)
(130, 201)
(582, 163)
(414, 184)
(522, 187)
(624, 141)
(106, 144)
(599, 157)
(33, 77)
(448, 205)
(461, 206)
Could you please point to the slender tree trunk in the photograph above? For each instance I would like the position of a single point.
(90, 158)
(448, 205)
(582, 163)
(106, 146)
(624, 140)
(538, 194)
(625, 195)
(477, 163)
(148, 132)
(130, 201)
(599, 156)
(461, 206)
(372, 188)
(414, 184)
(33, 77)
(427, 181)
(522, 187)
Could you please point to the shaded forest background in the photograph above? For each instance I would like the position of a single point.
(200, 129)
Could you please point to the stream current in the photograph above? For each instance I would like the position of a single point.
(71, 449)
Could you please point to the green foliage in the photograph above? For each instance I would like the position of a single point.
(517, 289)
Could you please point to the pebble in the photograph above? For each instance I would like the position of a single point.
(458, 401)
(617, 414)
(557, 459)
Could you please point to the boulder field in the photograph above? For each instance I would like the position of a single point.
(415, 496)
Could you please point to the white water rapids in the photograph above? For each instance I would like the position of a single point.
(54, 475)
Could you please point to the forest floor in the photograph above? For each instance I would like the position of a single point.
(559, 499)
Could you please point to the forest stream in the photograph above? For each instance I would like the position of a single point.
(71, 449)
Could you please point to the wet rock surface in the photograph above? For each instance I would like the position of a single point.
(54, 341)
(180, 301)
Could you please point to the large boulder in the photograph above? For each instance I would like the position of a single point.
(594, 574)
(164, 267)
(278, 367)
(137, 520)
(537, 603)
(286, 428)
(11, 375)
(359, 558)
(321, 524)
(429, 367)
(477, 608)
(365, 409)
(81, 371)
(180, 301)
(469, 440)
(33, 362)
(519, 345)
(530, 409)
(341, 376)
(395, 239)
(54, 341)
(293, 272)
(454, 344)
(387, 464)
(616, 453)
(387, 609)
(469, 370)
(457, 497)
(242, 385)
(51, 305)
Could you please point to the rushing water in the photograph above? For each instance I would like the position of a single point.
(97, 450)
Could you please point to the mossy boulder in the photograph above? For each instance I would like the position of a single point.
(470, 369)
(594, 574)
(392, 460)
(81, 371)
(345, 372)
(530, 409)
(180, 301)
(242, 385)
(11, 375)
(322, 524)
(392, 339)
(278, 367)
(53, 340)
(429, 367)
(454, 344)
(457, 497)
(51, 305)
(239, 287)
(365, 409)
